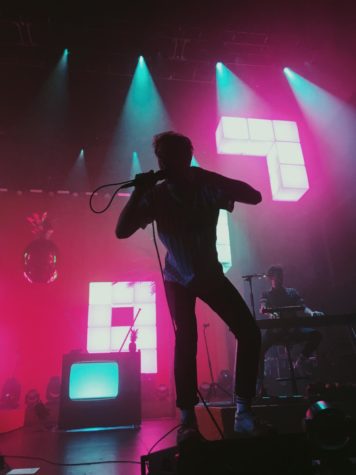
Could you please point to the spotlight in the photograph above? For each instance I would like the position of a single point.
(287, 72)
(327, 426)
(53, 390)
(219, 66)
(225, 379)
(10, 394)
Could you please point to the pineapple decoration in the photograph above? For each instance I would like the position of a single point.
(40, 256)
(133, 338)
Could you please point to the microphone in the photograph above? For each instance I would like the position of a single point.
(250, 276)
(150, 177)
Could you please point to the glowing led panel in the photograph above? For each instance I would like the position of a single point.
(278, 141)
(112, 309)
(222, 235)
(94, 380)
(223, 241)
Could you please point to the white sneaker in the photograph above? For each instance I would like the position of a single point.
(244, 423)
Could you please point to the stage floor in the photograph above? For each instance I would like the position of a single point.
(80, 448)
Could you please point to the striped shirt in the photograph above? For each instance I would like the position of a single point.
(187, 215)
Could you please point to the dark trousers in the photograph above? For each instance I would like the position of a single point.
(310, 337)
(226, 301)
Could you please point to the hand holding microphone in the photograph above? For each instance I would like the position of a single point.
(146, 180)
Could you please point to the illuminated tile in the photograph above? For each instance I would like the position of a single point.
(234, 128)
(273, 170)
(99, 315)
(100, 293)
(290, 153)
(278, 140)
(98, 340)
(257, 149)
(148, 361)
(147, 338)
(260, 129)
(288, 182)
(147, 315)
(223, 241)
(103, 336)
(145, 292)
(285, 131)
(294, 176)
(122, 293)
(117, 336)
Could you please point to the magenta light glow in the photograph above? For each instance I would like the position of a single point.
(278, 140)
(104, 337)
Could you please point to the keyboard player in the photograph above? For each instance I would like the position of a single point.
(279, 297)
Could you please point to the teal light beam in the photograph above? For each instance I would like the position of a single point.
(234, 97)
(135, 165)
(143, 115)
(77, 178)
(332, 120)
(47, 115)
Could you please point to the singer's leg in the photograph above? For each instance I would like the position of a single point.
(227, 302)
(181, 303)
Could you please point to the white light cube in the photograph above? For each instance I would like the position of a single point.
(99, 315)
(290, 153)
(145, 292)
(100, 293)
(147, 338)
(98, 340)
(294, 176)
(235, 128)
(117, 336)
(223, 241)
(278, 140)
(122, 293)
(103, 337)
(289, 182)
(148, 361)
(285, 131)
(260, 129)
(147, 315)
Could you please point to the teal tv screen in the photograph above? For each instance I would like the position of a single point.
(94, 380)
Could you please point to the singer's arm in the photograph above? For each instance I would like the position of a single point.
(131, 217)
(236, 189)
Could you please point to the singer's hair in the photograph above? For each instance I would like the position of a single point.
(171, 146)
(275, 270)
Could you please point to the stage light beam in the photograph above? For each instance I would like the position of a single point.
(332, 121)
(143, 115)
(234, 97)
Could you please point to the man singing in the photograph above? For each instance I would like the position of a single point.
(186, 207)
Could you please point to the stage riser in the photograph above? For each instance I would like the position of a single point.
(284, 418)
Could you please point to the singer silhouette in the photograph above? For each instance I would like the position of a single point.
(186, 207)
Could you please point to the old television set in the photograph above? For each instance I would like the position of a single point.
(100, 390)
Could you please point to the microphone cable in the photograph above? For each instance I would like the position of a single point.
(156, 176)
(118, 185)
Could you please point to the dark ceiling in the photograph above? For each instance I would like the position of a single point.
(181, 42)
(181, 39)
